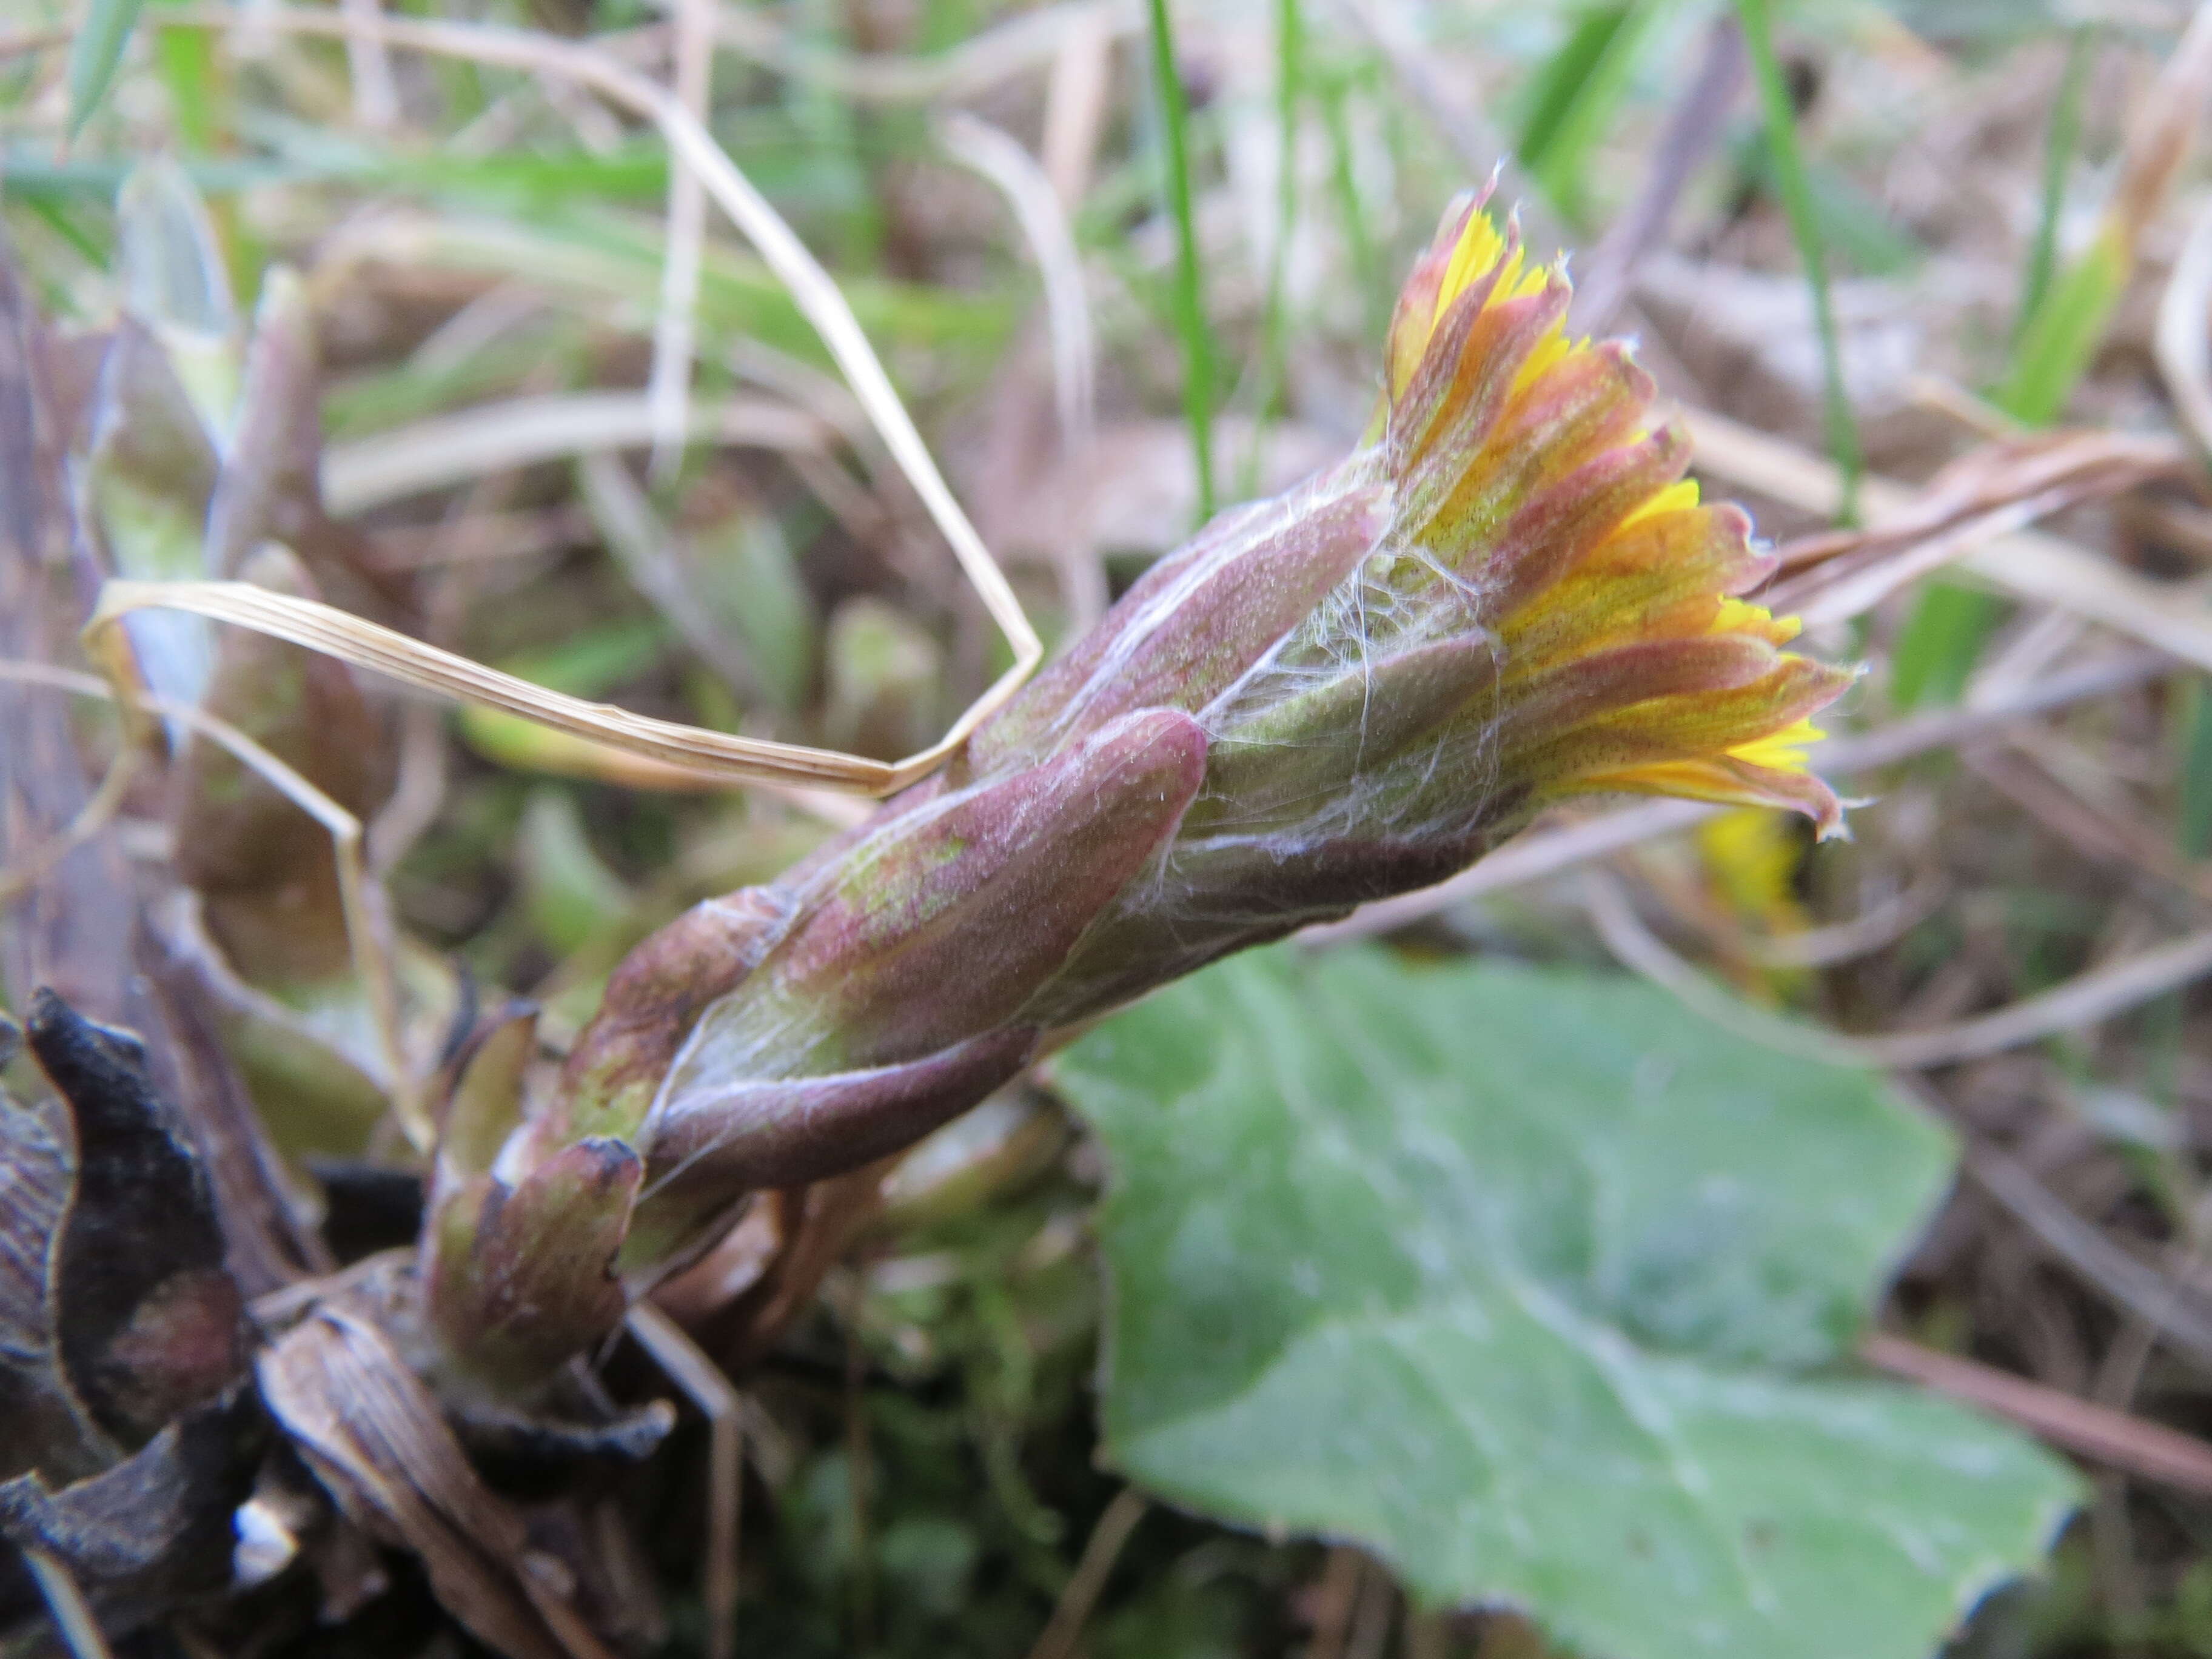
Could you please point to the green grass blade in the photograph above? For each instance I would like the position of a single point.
(1335, 95)
(1856, 230)
(2062, 337)
(1562, 77)
(64, 218)
(2063, 318)
(2063, 315)
(187, 63)
(2062, 140)
(1843, 433)
(1189, 296)
(94, 54)
(1579, 90)
(1941, 642)
(2193, 816)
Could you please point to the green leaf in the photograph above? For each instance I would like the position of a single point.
(571, 894)
(187, 61)
(1513, 1277)
(93, 54)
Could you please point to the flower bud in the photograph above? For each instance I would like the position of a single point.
(1506, 597)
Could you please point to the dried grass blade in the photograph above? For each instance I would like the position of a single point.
(2023, 563)
(2104, 1435)
(1100, 1552)
(978, 64)
(449, 449)
(997, 156)
(375, 92)
(1696, 124)
(2185, 333)
(2084, 1000)
(709, 756)
(817, 296)
(2166, 1305)
(683, 1361)
(71, 1612)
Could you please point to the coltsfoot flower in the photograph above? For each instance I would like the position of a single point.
(1507, 597)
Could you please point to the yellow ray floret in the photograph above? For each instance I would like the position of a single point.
(1479, 251)
(1638, 666)
(1480, 247)
(1780, 752)
(1674, 498)
(1741, 616)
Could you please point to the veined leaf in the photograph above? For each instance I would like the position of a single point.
(1515, 1278)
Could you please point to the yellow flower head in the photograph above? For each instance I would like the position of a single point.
(1530, 466)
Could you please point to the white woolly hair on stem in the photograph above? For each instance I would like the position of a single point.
(359, 896)
(712, 757)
